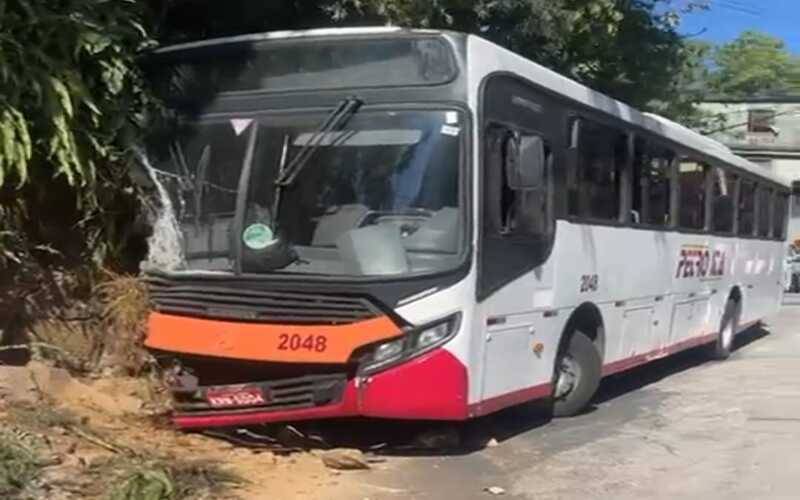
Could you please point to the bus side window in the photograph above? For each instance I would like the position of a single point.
(596, 188)
(779, 219)
(764, 211)
(747, 203)
(651, 183)
(524, 212)
(723, 191)
(692, 188)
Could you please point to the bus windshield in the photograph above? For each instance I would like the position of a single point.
(380, 196)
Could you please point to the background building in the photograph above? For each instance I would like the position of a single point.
(765, 130)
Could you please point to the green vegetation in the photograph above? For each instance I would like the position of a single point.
(71, 101)
(158, 480)
(121, 474)
(755, 64)
(145, 484)
(69, 83)
(19, 464)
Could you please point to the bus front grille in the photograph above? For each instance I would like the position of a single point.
(248, 303)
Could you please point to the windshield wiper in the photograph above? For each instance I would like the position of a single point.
(338, 117)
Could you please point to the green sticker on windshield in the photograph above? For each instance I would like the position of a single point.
(257, 236)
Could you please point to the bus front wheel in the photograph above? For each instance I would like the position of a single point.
(577, 376)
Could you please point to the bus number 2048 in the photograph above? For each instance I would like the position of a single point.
(297, 342)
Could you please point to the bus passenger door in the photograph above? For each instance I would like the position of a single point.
(517, 233)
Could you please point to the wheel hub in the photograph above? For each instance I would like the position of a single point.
(727, 335)
(568, 376)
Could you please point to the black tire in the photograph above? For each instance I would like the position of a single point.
(579, 390)
(728, 327)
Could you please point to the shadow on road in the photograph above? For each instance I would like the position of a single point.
(401, 438)
(632, 380)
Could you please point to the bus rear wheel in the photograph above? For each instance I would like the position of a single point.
(577, 376)
(729, 325)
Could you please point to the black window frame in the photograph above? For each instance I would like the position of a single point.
(516, 107)
(764, 195)
(576, 123)
(782, 230)
(513, 132)
(563, 120)
(705, 189)
(651, 143)
(734, 197)
(741, 192)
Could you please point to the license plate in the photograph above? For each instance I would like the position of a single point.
(235, 396)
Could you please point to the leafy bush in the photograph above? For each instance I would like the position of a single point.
(70, 86)
(72, 99)
(19, 465)
(176, 480)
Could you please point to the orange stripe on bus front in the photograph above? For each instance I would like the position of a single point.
(265, 342)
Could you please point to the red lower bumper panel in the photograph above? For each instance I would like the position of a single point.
(433, 386)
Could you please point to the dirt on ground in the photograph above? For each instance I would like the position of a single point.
(63, 437)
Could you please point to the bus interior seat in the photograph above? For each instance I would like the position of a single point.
(331, 226)
(439, 233)
(373, 250)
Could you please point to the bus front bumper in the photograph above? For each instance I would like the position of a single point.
(430, 387)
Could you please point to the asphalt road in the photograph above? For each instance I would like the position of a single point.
(683, 427)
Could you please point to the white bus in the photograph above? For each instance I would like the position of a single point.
(417, 224)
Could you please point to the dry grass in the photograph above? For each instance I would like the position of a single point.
(111, 338)
(125, 306)
(125, 300)
(80, 344)
(41, 417)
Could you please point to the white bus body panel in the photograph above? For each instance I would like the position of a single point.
(648, 309)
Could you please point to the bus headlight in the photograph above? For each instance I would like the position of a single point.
(433, 335)
(388, 351)
(414, 343)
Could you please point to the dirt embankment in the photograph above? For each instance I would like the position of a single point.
(65, 438)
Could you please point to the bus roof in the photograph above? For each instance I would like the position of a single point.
(287, 34)
(534, 72)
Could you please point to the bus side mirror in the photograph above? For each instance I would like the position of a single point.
(526, 165)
